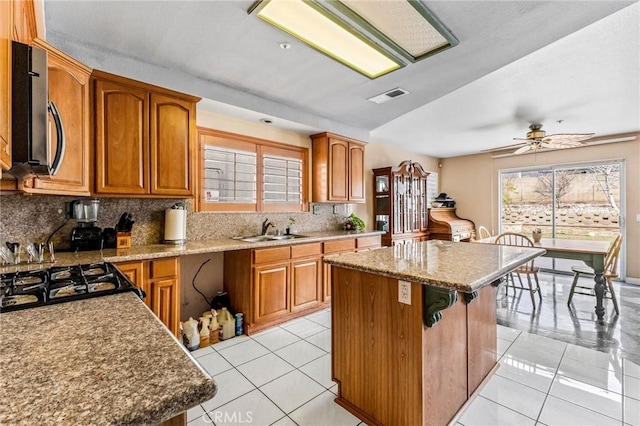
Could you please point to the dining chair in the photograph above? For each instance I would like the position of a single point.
(528, 269)
(483, 233)
(610, 272)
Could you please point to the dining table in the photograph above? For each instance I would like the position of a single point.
(591, 252)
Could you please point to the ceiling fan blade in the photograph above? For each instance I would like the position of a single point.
(502, 148)
(522, 150)
(561, 144)
(567, 137)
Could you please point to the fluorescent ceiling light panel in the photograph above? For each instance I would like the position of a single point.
(315, 26)
(407, 26)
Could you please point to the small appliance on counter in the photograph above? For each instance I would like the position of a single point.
(175, 224)
(86, 236)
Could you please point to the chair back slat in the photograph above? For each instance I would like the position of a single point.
(483, 232)
(611, 260)
(519, 240)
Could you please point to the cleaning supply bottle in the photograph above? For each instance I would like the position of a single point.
(227, 323)
(191, 333)
(214, 327)
(204, 332)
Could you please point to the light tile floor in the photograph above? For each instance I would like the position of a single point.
(282, 376)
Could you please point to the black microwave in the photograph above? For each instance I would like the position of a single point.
(29, 115)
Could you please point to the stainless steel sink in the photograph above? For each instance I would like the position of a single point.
(256, 239)
(286, 237)
(261, 238)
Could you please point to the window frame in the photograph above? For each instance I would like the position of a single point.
(260, 147)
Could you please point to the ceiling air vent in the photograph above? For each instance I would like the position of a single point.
(387, 96)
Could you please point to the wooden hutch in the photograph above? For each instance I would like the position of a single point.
(400, 203)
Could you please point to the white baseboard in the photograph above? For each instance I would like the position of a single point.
(632, 280)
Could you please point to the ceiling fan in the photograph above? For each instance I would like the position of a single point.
(537, 139)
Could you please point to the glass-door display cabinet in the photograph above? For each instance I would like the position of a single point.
(400, 203)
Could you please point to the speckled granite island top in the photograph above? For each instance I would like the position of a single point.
(457, 266)
(155, 251)
(106, 360)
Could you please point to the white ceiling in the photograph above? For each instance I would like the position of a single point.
(517, 61)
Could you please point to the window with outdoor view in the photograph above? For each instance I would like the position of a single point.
(577, 202)
(242, 173)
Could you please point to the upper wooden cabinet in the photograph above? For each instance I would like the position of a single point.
(27, 20)
(338, 169)
(145, 138)
(6, 21)
(69, 90)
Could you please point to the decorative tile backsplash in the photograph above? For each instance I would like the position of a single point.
(36, 217)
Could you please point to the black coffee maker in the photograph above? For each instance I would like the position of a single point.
(86, 236)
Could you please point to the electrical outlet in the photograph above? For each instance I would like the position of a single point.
(638, 218)
(404, 292)
(316, 209)
(335, 209)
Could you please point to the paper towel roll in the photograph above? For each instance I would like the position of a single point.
(175, 226)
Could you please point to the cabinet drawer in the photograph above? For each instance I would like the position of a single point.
(163, 268)
(373, 241)
(304, 250)
(271, 255)
(340, 245)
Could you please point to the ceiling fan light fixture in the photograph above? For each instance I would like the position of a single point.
(314, 25)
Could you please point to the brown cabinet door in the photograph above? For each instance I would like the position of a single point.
(172, 134)
(5, 84)
(122, 139)
(338, 170)
(69, 90)
(305, 276)
(271, 291)
(136, 272)
(165, 303)
(326, 282)
(356, 172)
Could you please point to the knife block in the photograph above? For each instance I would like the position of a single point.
(123, 240)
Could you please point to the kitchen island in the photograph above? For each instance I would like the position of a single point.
(414, 328)
(106, 360)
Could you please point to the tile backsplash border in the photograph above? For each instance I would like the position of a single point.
(35, 217)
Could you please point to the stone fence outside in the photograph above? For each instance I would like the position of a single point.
(573, 219)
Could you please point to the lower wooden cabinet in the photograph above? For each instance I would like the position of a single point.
(273, 285)
(160, 280)
(270, 287)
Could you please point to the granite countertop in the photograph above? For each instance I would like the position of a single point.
(155, 251)
(464, 267)
(106, 360)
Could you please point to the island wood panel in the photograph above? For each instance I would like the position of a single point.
(481, 336)
(377, 355)
(445, 366)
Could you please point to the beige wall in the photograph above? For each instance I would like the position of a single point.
(378, 155)
(473, 181)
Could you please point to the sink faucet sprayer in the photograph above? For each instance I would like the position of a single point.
(265, 226)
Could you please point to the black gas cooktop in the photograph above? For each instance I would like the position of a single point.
(22, 290)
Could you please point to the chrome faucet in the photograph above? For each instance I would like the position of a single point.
(265, 226)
